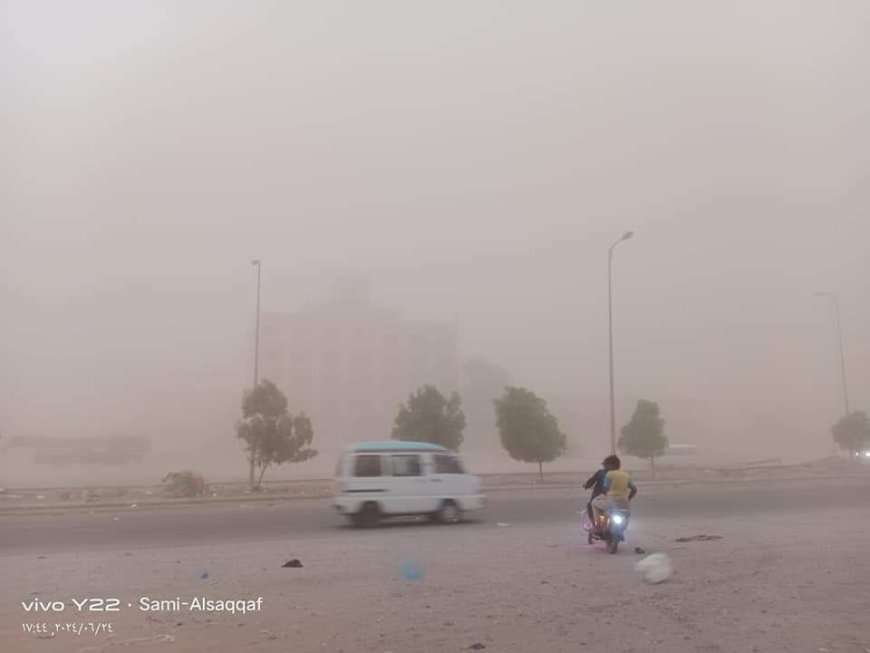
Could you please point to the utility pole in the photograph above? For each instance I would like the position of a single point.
(835, 300)
(625, 236)
(258, 264)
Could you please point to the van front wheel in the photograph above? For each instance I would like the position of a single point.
(449, 513)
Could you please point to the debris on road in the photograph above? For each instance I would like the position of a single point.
(655, 568)
(639, 550)
(185, 483)
(502, 524)
(411, 570)
(204, 575)
(477, 646)
(292, 564)
(699, 538)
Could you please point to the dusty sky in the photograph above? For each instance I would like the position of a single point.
(473, 160)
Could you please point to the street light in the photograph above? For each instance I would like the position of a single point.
(625, 236)
(256, 262)
(835, 300)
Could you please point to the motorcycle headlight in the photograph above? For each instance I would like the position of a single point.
(618, 519)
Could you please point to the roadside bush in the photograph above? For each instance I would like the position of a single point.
(184, 484)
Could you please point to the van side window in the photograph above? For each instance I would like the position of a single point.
(407, 465)
(448, 465)
(367, 466)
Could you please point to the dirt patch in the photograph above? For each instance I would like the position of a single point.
(699, 538)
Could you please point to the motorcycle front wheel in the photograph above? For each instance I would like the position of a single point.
(612, 544)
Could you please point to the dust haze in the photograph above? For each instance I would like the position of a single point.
(457, 170)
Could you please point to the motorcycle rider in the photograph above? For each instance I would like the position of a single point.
(596, 484)
(618, 486)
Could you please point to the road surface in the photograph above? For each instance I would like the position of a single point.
(786, 571)
(294, 519)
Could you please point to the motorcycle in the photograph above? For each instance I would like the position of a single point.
(609, 527)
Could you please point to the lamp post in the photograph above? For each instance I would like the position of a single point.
(625, 236)
(835, 300)
(256, 262)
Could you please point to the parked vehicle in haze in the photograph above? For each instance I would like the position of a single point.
(681, 450)
(393, 478)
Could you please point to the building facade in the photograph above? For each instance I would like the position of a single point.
(348, 364)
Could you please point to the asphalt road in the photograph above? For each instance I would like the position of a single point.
(263, 521)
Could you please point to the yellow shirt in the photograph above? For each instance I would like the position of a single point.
(618, 484)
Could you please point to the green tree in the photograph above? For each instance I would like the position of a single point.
(852, 432)
(428, 416)
(271, 435)
(644, 435)
(529, 432)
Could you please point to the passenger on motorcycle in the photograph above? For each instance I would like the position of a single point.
(596, 484)
(618, 486)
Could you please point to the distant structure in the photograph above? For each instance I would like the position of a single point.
(349, 363)
(86, 450)
(681, 450)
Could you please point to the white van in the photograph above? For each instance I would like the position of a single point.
(393, 478)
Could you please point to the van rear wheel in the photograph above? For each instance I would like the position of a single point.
(368, 516)
(449, 513)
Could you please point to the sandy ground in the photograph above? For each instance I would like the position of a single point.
(799, 581)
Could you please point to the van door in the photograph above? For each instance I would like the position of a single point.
(449, 477)
(408, 491)
(365, 478)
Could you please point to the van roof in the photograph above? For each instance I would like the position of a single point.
(395, 445)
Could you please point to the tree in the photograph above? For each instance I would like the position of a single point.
(430, 417)
(272, 436)
(644, 435)
(529, 432)
(852, 432)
